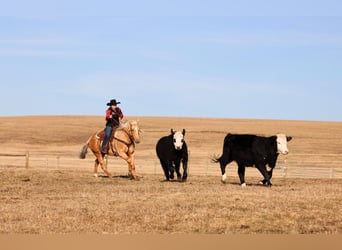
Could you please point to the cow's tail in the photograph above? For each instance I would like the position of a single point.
(216, 158)
(84, 150)
(222, 158)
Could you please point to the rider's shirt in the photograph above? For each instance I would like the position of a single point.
(113, 116)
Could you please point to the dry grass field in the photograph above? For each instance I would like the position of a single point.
(68, 199)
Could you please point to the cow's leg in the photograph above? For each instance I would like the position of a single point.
(165, 169)
(223, 172)
(171, 169)
(224, 161)
(177, 168)
(185, 170)
(270, 173)
(241, 172)
(263, 171)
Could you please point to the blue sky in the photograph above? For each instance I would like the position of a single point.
(251, 59)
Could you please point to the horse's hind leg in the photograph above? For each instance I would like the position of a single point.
(103, 165)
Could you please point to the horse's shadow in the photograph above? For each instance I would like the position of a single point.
(115, 176)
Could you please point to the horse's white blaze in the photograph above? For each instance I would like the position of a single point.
(282, 144)
(135, 131)
(224, 177)
(178, 140)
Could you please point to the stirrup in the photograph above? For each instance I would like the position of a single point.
(104, 150)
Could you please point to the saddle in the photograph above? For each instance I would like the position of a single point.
(101, 134)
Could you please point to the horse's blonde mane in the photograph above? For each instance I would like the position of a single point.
(125, 123)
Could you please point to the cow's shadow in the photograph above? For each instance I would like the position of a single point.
(173, 181)
(251, 184)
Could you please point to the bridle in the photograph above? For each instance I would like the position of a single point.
(122, 141)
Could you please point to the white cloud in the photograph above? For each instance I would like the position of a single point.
(273, 39)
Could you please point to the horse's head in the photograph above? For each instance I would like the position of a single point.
(178, 139)
(134, 130)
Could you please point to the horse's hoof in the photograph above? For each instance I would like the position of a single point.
(95, 175)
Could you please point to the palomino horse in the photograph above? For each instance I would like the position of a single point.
(122, 145)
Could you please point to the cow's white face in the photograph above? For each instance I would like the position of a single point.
(178, 140)
(282, 143)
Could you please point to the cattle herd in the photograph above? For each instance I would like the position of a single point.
(246, 150)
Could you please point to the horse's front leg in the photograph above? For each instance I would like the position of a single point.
(131, 166)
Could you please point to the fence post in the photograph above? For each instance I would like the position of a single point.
(27, 158)
(283, 169)
(331, 173)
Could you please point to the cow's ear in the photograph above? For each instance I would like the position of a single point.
(288, 138)
(183, 132)
(172, 132)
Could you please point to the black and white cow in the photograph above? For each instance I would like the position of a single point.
(252, 150)
(171, 151)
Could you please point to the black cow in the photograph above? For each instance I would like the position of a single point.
(171, 151)
(252, 150)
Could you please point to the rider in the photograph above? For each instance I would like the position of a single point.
(113, 118)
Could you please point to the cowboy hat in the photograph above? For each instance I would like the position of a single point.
(112, 102)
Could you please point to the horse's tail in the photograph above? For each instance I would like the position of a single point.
(84, 150)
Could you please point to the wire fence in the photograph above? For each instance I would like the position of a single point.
(301, 166)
